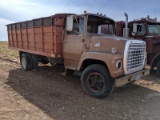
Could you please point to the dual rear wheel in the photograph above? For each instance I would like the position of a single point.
(28, 61)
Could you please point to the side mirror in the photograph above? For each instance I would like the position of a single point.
(135, 28)
(69, 23)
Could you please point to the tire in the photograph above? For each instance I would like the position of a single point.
(34, 61)
(96, 81)
(26, 62)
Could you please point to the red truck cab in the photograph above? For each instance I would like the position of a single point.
(146, 29)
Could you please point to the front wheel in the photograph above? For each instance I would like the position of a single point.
(96, 81)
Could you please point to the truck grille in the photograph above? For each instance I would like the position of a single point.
(135, 57)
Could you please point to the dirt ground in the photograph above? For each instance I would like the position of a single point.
(45, 94)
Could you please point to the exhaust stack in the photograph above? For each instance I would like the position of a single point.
(126, 29)
(126, 24)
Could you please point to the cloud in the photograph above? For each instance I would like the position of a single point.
(3, 29)
(21, 10)
(18, 9)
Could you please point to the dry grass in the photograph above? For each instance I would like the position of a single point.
(6, 52)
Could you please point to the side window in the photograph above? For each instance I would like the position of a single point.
(78, 25)
(141, 29)
(105, 29)
(81, 25)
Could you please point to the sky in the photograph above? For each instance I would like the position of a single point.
(12, 11)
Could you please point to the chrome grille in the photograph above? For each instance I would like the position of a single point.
(136, 56)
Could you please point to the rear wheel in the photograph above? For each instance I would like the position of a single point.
(26, 62)
(96, 81)
(34, 61)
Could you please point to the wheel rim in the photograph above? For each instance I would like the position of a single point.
(96, 82)
(23, 61)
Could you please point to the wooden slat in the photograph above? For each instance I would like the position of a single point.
(30, 37)
(42, 38)
(54, 39)
(46, 40)
(12, 37)
(38, 38)
(47, 37)
(39, 45)
(38, 30)
(27, 38)
(34, 39)
(9, 40)
(38, 52)
(21, 38)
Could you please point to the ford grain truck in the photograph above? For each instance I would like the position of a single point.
(103, 60)
(146, 29)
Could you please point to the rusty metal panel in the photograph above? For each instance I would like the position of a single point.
(59, 21)
(18, 34)
(23, 24)
(39, 49)
(38, 22)
(47, 21)
(46, 29)
(13, 26)
(41, 36)
(38, 30)
(29, 24)
(38, 38)
(39, 45)
(48, 45)
(59, 48)
(30, 30)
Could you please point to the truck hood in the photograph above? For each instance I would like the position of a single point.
(108, 43)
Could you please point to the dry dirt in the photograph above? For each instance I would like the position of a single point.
(47, 95)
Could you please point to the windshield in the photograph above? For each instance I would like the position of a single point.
(153, 28)
(99, 25)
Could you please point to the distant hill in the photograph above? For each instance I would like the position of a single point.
(3, 41)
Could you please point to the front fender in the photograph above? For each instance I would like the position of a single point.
(108, 58)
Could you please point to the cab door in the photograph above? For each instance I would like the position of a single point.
(73, 44)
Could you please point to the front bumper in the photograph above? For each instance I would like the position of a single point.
(130, 78)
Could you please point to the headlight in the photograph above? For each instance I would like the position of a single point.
(119, 64)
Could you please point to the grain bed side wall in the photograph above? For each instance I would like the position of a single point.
(41, 36)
